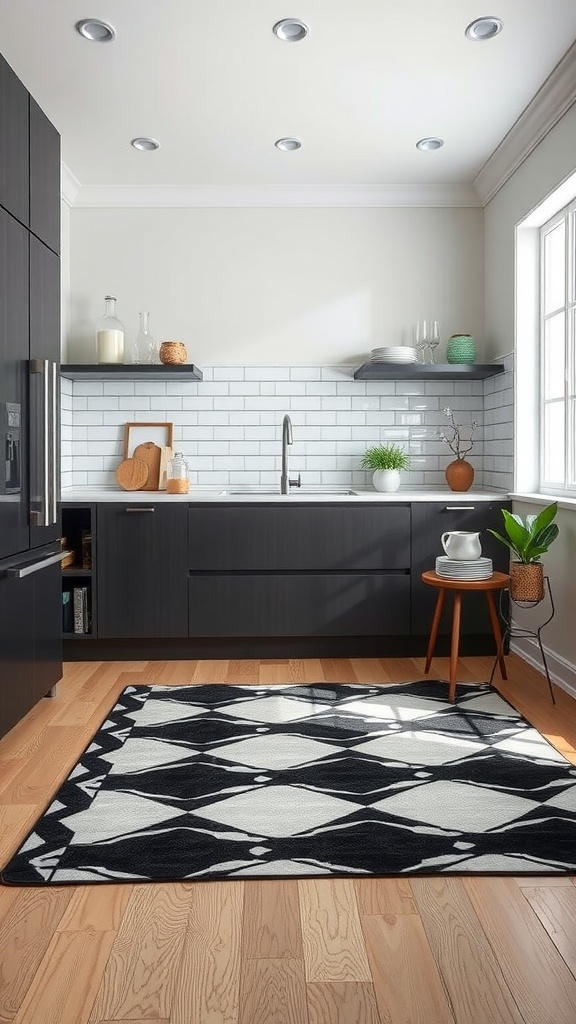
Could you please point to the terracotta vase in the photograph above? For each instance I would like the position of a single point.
(459, 475)
(526, 582)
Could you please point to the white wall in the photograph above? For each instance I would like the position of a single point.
(546, 167)
(261, 286)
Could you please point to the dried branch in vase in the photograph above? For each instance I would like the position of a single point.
(457, 441)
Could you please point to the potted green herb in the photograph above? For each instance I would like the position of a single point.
(528, 539)
(386, 461)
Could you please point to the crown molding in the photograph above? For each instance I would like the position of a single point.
(107, 196)
(550, 103)
(69, 185)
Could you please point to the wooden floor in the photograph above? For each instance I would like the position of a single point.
(437, 950)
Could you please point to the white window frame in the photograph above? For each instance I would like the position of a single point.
(566, 486)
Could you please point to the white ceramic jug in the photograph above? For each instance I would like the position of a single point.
(461, 544)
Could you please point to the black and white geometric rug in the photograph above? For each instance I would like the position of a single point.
(219, 781)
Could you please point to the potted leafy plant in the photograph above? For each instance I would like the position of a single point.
(528, 539)
(386, 461)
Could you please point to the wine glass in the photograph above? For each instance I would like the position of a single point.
(434, 339)
(421, 335)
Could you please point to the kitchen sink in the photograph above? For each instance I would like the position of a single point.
(294, 493)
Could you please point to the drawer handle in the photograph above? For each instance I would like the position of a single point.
(140, 508)
(459, 508)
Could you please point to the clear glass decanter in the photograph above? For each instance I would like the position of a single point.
(110, 334)
(144, 348)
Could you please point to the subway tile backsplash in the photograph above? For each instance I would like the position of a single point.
(229, 426)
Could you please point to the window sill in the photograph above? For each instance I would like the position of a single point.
(544, 499)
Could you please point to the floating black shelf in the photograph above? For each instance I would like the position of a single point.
(419, 371)
(130, 371)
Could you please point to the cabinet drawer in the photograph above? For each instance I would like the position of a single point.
(289, 537)
(299, 605)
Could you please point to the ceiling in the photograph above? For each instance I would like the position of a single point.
(211, 82)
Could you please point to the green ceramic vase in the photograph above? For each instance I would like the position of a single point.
(461, 348)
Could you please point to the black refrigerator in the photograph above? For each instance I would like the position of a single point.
(30, 551)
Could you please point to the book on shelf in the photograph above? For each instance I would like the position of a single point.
(81, 601)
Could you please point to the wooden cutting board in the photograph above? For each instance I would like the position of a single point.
(132, 474)
(149, 453)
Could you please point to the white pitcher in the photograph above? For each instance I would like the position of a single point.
(462, 544)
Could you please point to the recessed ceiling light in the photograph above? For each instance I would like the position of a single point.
(95, 30)
(483, 28)
(430, 143)
(290, 30)
(289, 143)
(144, 144)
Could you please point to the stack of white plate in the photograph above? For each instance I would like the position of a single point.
(394, 354)
(469, 569)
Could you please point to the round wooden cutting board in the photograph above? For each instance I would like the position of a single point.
(132, 474)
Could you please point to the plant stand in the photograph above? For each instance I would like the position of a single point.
(519, 632)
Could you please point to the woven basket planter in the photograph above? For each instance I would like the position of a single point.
(527, 582)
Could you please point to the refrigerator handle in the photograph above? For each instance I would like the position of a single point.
(53, 445)
(27, 570)
(42, 367)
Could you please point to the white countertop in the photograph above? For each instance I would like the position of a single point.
(81, 495)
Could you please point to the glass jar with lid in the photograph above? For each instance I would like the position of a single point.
(110, 334)
(177, 480)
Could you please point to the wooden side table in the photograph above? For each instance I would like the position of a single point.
(497, 581)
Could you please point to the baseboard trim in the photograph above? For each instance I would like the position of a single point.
(562, 672)
(271, 647)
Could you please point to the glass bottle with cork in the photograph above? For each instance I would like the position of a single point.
(177, 480)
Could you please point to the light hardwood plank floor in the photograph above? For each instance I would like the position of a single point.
(439, 950)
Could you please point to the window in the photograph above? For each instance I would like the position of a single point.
(558, 353)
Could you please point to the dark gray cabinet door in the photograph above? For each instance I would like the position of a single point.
(44, 417)
(44, 178)
(429, 521)
(30, 644)
(14, 145)
(14, 351)
(302, 604)
(141, 570)
(290, 537)
(17, 692)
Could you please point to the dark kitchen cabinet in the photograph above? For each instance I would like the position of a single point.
(30, 644)
(14, 348)
(14, 145)
(299, 537)
(44, 392)
(295, 570)
(429, 521)
(44, 178)
(30, 586)
(302, 604)
(141, 570)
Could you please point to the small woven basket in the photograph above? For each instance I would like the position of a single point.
(527, 582)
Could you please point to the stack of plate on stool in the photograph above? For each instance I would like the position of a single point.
(464, 569)
(394, 354)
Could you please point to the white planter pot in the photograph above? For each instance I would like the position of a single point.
(386, 479)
